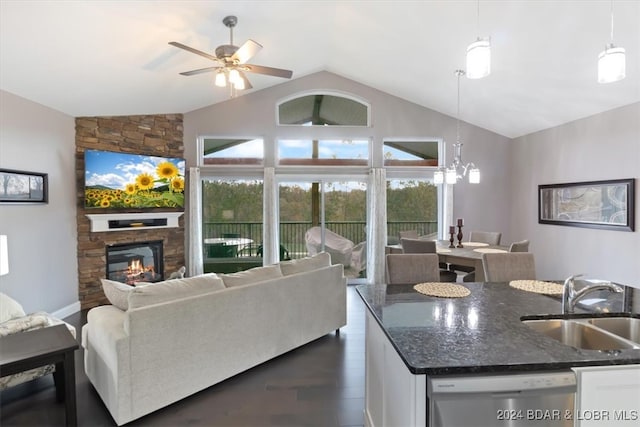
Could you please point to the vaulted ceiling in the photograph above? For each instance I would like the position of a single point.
(96, 58)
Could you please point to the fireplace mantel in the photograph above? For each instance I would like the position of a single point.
(133, 221)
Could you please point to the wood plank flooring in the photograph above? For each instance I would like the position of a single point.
(319, 384)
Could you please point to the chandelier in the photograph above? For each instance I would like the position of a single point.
(457, 169)
(611, 61)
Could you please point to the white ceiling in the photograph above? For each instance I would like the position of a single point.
(98, 58)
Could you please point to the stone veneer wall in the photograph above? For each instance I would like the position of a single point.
(156, 135)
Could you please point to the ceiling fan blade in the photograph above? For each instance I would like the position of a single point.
(269, 71)
(199, 71)
(243, 76)
(246, 51)
(192, 50)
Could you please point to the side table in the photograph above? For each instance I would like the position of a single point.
(55, 344)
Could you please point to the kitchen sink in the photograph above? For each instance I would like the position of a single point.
(625, 327)
(580, 333)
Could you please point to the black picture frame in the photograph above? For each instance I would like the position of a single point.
(608, 204)
(17, 187)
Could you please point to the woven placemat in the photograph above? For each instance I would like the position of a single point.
(490, 251)
(474, 244)
(443, 290)
(537, 286)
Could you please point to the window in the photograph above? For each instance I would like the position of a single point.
(217, 151)
(323, 109)
(327, 152)
(410, 153)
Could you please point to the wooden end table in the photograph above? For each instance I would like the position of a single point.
(51, 345)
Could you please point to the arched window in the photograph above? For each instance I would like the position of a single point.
(323, 109)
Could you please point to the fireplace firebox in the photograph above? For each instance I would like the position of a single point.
(135, 263)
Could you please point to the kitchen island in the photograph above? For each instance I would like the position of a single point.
(412, 337)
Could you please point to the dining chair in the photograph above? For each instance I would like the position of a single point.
(521, 246)
(411, 269)
(504, 267)
(411, 234)
(488, 237)
(423, 246)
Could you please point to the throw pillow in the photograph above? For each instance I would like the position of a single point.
(9, 308)
(117, 293)
(169, 290)
(323, 259)
(253, 275)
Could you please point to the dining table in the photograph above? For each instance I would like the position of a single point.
(470, 254)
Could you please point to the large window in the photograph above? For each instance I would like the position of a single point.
(412, 205)
(232, 221)
(232, 151)
(322, 109)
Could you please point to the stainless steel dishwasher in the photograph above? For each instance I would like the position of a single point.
(522, 399)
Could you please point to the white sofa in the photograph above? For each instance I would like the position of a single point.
(173, 339)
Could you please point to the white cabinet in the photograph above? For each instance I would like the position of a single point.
(608, 396)
(394, 397)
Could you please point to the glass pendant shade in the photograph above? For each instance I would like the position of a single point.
(221, 80)
(474, 176)
(451, 176)
(611, 64)
(479, 59)
(239, 84)
(438, 177)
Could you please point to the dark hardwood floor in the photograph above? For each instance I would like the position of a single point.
(318, 384)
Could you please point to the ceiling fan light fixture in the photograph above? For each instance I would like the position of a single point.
(611, 64)
(221, 80)
(239, 84)
(234, 76)
(479, 59)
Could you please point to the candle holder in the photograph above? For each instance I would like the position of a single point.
(460, 237)
(451, 238)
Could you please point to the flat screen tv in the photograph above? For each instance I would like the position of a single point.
(124, 180)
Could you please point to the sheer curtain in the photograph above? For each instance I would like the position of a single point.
(194, 228)
(377, 225)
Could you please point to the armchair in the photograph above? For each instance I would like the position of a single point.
(13, 320)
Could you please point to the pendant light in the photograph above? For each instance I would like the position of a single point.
(457, 169)
(611, 61)
(479, 54)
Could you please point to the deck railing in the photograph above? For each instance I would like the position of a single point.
(292, 232)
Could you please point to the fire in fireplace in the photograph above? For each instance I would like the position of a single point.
(134, 263)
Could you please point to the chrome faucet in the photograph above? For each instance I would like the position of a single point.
(570, 296)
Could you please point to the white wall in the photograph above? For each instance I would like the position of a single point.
(601, 147)
(482, 206)
(43, 273)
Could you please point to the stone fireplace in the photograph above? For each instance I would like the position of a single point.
(155, 135)
(135, 263)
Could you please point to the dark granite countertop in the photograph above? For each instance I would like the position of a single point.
(480, 333)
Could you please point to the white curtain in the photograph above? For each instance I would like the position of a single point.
(195, 262)
(271, 251)
(377, 225)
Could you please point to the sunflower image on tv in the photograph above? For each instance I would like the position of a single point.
(122, 180)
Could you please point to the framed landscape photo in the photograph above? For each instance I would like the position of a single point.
(23, 187)
(594, 204)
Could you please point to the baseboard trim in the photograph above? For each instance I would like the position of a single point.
(67, 311)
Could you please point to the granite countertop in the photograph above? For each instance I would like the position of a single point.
(480, 333)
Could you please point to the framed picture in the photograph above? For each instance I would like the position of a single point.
(593, 204)
(23, 187)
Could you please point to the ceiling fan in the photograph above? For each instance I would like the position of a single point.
(233, 61)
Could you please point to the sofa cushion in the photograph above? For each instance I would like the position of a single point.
(323, 259)
(9, 308)
(117, 293)
(253, 275)
(168, 290)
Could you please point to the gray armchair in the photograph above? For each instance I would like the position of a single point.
(521, 246)
(423, 246)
